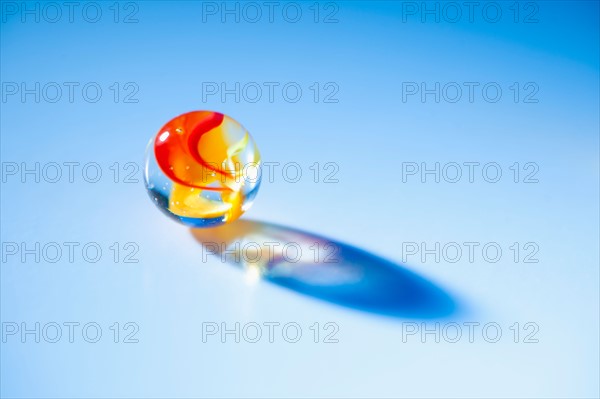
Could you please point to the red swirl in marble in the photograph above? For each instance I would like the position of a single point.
(200, 152)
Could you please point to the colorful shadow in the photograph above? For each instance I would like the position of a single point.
(326, 269)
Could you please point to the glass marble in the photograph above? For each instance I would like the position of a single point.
(202, 169)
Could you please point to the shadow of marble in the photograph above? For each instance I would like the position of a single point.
(326, 269)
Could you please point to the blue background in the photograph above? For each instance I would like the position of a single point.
(168, 53)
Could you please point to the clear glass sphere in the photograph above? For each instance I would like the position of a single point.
(202, 169)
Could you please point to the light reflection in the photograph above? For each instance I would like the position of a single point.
(326, 269)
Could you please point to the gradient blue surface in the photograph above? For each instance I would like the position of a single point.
(368, 133)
